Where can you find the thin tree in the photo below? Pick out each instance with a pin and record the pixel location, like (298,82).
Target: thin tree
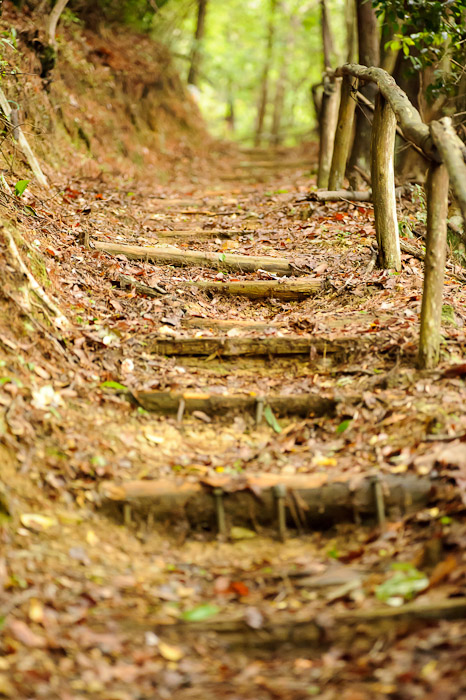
(369,55)
(327,38)
(196,52)
(53,20)
(282,80)
(264,86)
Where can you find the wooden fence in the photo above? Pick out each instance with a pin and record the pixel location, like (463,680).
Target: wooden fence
(438,142)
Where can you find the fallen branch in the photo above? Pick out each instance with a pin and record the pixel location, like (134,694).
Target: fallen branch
(220,404)
(452,150)
(233,347)
(174,256)
(23,143)
(337,195)
(126,281)
(408,116)
(59,319)
(420,255)
(203,233)
(286,289)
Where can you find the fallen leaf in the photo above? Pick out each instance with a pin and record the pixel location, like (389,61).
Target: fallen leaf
(253,618)
(36,610)
(443,570)
(200,612)
(241,533)
(37,522)
(170,652)
(23,634)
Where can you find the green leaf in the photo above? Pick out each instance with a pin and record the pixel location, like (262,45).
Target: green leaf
(113,385)
(200,612)
(222,257)
(405,583)
(21,186)
(344,425)
(271,420)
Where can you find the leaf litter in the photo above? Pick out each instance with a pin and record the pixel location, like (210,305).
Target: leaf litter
(90,608)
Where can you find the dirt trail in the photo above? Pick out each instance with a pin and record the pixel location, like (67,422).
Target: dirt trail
(134,608)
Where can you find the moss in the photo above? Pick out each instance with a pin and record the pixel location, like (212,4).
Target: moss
(36,264)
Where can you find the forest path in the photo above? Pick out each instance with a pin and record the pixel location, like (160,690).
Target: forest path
(97,609)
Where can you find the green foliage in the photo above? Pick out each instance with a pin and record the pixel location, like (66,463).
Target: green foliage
(200,612)
(403,585)
(7,41)
(233,56)
(430,33)
(344,425)
(136,13)
(271,420)
(21,186)
(113,385)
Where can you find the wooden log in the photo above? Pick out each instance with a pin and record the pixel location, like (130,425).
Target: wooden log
(345,195)
(328,124)
(408,116)
(383,185)
(227,324)
(220,404)
(174,256)
(453,152)
(225,346)
(361,627)
(250,499)
(197,233)
(286,289)
(434,266)
(338,195)
(343,133)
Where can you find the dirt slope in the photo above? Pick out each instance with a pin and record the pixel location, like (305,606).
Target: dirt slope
(138,602)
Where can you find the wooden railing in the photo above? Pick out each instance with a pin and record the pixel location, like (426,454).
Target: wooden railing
(438,142)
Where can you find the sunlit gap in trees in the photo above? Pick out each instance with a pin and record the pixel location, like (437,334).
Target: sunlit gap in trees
(252,52)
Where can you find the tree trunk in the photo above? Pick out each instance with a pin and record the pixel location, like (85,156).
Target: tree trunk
(343,134)
(434,266)
(281,83)
(193,75)
(327,38)
(369,55)
(53,21)
(409,164)
(264,94)
(453,152)
(328,125)
(351,35)
(383,185)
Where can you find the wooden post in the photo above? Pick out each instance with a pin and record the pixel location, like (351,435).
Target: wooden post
(383,185)
(343,132)
(434,266)
(453,152)
(328,125)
